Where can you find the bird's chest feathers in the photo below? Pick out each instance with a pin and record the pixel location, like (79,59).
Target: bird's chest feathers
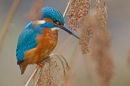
(47,41)
(47,37)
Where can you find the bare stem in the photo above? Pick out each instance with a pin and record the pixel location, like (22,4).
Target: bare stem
(31,76)
(66,8)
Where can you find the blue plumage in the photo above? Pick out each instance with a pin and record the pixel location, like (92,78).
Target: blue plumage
(27,39)
(52,13)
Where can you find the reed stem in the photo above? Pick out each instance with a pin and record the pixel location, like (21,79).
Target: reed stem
(8,21)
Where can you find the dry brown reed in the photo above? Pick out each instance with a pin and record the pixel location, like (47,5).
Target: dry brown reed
(47,79)
(102,55)
(77,13)
(101,46)
(52,68)
(78,9)
(94,37)
(34,13)
(67,79)
(88,25)
(86,34)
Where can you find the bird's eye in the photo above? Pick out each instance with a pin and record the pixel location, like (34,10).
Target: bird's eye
(56,22)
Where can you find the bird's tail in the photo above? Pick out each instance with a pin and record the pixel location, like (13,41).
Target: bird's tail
(23,67)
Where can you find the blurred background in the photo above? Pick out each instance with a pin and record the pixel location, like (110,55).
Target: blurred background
(118,26)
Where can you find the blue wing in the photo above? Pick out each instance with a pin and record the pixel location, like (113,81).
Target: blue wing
(27,40)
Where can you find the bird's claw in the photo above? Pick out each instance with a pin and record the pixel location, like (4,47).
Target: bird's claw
(40,64)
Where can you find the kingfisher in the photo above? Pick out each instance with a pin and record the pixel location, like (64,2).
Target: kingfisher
(40,37)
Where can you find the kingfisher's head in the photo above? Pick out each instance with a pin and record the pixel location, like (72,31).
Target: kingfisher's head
(52,13)
(56,18)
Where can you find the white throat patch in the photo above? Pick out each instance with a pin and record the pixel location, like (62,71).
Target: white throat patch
(55,28)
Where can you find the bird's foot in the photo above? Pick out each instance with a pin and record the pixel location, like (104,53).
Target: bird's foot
(40,64)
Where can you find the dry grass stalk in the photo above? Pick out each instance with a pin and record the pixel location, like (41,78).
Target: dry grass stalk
(77,19)
(101,47)
(101,14)
(34,13)
(86,34)
(46,79)
(94,25)
(67,79)
(52,68)
(78,9)
(102,55)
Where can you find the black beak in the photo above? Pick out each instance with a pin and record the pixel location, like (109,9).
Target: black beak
(67,29)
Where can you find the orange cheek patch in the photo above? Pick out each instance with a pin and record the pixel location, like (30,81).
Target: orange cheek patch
(48,20)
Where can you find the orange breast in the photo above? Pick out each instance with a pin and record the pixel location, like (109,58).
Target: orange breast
(46,43)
